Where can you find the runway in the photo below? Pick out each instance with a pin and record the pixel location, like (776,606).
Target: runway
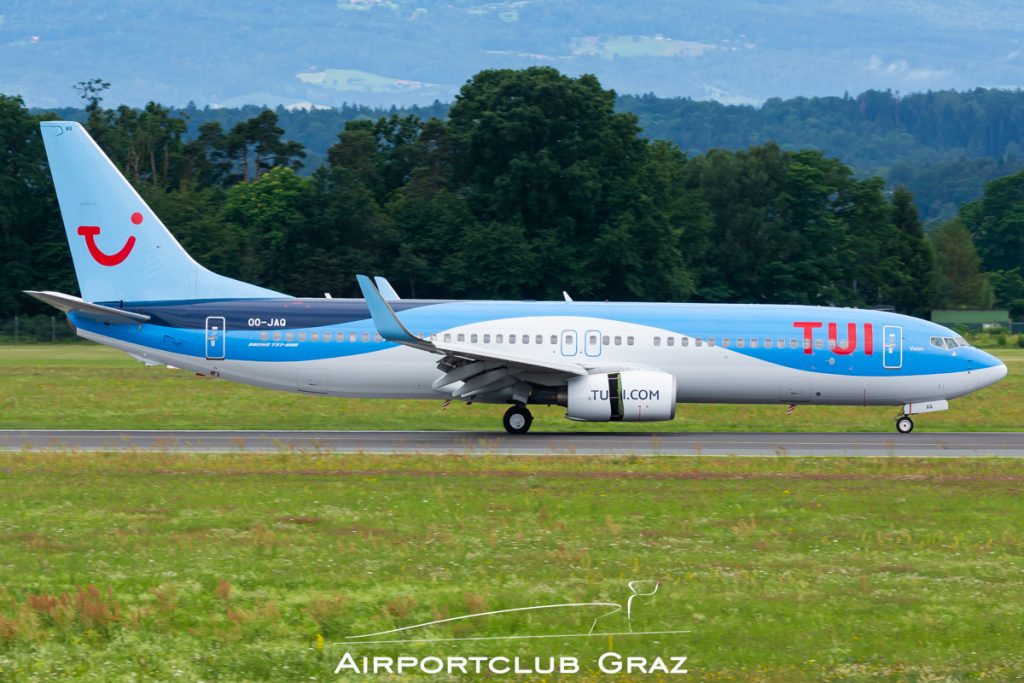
(920,444)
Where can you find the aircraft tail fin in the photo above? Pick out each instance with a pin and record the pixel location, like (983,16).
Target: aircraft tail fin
(121,249)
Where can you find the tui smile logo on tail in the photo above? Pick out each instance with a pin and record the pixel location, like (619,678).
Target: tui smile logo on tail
(89,232)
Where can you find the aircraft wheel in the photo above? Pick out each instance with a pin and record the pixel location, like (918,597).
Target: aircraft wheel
(517,420)
(904,425)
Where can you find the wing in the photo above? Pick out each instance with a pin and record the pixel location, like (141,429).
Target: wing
(480,370)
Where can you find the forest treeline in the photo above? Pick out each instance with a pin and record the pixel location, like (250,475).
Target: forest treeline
(943,146)
(532,184)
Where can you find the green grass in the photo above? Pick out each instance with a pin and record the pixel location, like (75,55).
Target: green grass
(228,567)
(94,387)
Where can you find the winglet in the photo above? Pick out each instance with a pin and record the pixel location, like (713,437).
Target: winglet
(385,289)
(566,295)
(384,318)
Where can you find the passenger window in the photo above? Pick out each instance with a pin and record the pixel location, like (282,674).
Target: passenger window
(461,337)
(539,339)
(807,344)
(526,339)
(366,337)
(657,341)
(447,337)
(554,339)
(569,340)
(487,339)
(351,336)
(740,342)
(433,339)
(472,339)
(684,341)
(753,342)
(302,336)
(606,340)
(831,344)
(314,336)
(511,339)
(328,336)
(264,336)
(726,342)
(340,336)
(618,340)
(698,342)
(377,338)
(781,343)
(593,340)
(629,341)
(277,336)
(498,339)
(670,341)
(289,336)
(818,344)
(711,341)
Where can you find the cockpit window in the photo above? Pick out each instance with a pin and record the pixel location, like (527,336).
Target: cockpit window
(949,342)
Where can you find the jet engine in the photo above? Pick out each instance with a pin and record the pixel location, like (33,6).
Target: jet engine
(629,396)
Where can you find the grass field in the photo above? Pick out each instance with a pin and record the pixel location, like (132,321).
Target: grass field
(229,567)
(147,566)
(94,387)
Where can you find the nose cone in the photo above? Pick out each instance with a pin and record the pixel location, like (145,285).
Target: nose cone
(990,373)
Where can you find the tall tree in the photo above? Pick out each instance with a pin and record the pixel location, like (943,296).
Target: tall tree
(260,139)
(547,156)
(997,223)
(33,247)
(914,291)
(960,283)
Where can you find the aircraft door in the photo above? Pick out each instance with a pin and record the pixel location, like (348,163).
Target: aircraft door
(569,342)
(592,343)
(892,347)
(216,337)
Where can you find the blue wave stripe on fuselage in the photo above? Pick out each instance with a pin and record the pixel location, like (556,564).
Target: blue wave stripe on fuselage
(180,327)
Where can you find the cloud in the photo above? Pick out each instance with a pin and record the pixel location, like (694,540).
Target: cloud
(900,68)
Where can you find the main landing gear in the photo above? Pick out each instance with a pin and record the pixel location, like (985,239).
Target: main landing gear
(517,420)
(904,425)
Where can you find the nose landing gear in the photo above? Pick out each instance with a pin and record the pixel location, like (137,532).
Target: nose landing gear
(904,425)
(517,420)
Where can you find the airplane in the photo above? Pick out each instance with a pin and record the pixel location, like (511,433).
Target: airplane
(603,361)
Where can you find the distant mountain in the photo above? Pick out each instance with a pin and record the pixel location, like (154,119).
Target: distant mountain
(401,52)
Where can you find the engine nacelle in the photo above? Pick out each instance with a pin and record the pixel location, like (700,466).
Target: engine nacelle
(629,396)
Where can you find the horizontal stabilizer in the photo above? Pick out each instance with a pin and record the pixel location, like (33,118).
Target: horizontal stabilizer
(103,314)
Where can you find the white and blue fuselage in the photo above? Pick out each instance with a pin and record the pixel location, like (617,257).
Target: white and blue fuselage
(142,293)
(717,352)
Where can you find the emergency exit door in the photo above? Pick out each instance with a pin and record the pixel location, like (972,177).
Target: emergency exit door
(216,337)
(892,347)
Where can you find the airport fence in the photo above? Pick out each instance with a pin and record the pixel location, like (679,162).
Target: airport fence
(29,329)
